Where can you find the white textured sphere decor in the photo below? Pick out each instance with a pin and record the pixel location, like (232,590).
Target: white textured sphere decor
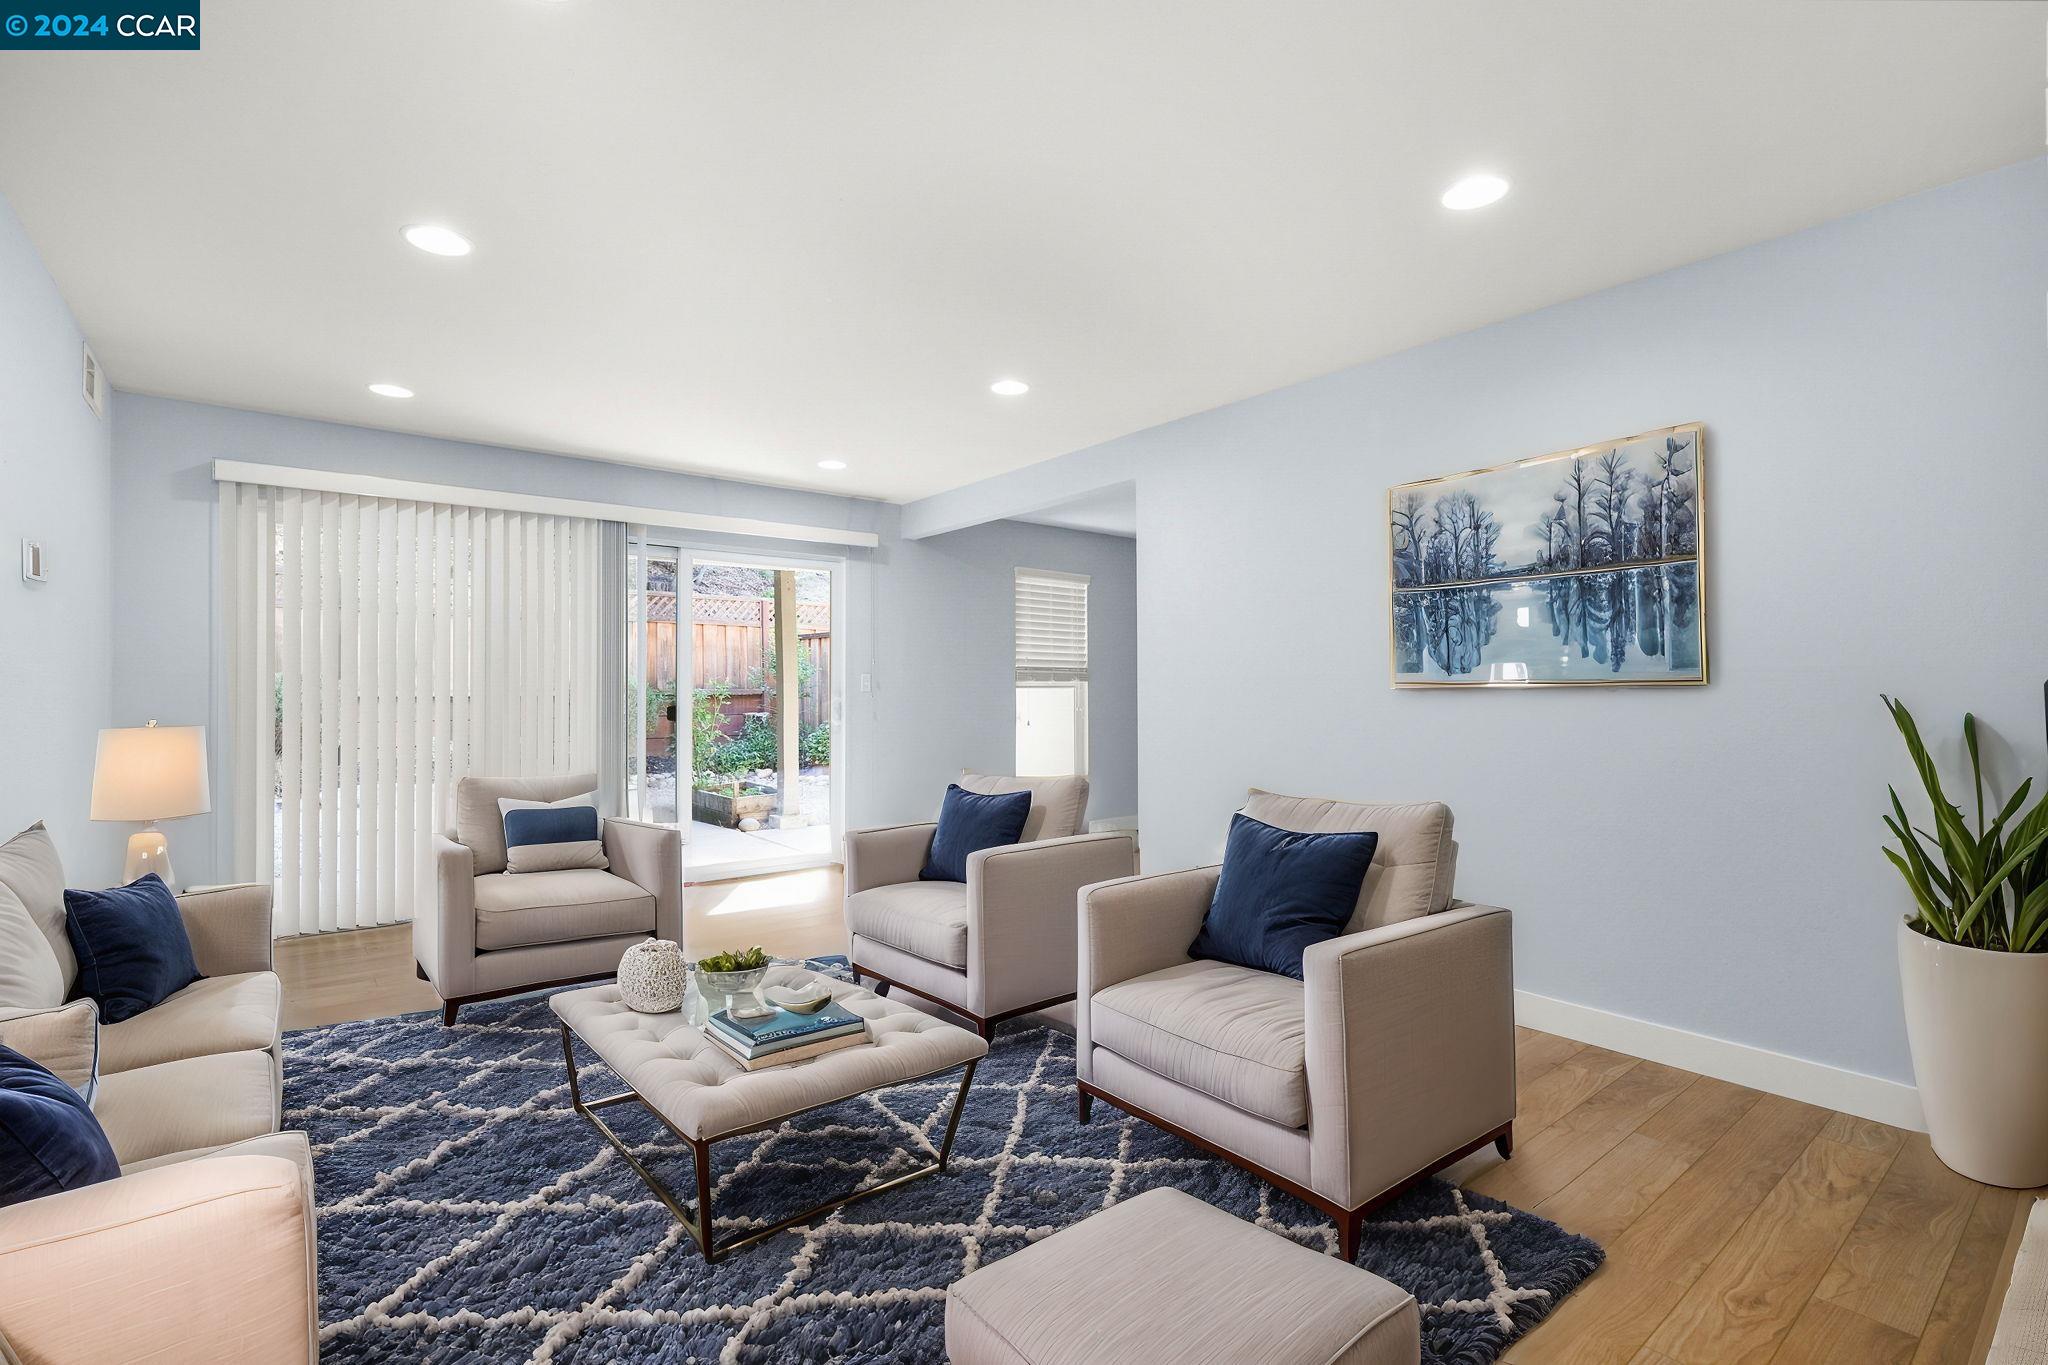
(652,978)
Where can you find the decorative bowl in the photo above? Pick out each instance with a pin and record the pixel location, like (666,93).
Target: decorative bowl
(807,998)
(739,991)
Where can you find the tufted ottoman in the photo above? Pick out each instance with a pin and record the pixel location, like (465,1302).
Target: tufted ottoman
(701,1095)
(1166,1277)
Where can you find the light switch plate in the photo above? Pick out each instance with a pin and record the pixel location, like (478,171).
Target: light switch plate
(35,567)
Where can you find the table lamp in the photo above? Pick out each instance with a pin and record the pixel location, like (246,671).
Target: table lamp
(150,773)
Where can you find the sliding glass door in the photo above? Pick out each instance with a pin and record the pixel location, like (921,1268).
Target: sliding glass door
(722,738)
(654,700)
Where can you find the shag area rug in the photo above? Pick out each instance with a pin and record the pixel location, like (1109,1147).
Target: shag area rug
(468,1214)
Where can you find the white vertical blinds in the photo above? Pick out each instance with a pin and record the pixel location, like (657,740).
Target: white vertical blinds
(1052,626)
(379,651)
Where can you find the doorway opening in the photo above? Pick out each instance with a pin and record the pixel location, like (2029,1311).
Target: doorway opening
(723,741)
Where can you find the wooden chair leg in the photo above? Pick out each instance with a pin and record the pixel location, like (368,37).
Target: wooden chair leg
(1505,1143)
(1084,1104)
(1350,1226)
(448,1008)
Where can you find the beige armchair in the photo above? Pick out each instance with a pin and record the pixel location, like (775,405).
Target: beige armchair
(1001,943)
(494,933)
(1393,1057)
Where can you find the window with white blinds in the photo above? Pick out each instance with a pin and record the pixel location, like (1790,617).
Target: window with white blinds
(1052,626)
(379,651)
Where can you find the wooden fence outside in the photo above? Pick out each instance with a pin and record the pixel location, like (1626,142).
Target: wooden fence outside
(729,643)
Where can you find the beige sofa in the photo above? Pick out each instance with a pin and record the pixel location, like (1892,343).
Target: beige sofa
(1001,943)
(493,932)
(201,1258)
(1394,1056)
(202,1249)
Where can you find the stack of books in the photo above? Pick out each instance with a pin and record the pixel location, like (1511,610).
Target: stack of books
(786,1036)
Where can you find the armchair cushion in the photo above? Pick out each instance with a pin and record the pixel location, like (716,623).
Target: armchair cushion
(212,1015)
(1412,867)
(1059,805)
(517,909)
(924,919)
(480,824)
(133,952)
(151,1110)
(1235,1034)
(968,823)
(49,1140)
(30,869)
(1281,892)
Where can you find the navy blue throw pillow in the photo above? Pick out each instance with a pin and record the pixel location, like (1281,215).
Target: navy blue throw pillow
(1281,892)
(131,944)
(49,1139)
(550,825)
(968,823)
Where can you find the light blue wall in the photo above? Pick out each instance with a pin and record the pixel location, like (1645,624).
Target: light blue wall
(928,621)
(54,639)
(1875,393)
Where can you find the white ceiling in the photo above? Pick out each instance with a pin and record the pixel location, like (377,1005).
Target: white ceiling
(740,238)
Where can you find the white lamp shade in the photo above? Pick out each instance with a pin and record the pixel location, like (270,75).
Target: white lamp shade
(155,772)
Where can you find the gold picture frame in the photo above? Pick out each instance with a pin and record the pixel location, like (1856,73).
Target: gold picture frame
(1642,582)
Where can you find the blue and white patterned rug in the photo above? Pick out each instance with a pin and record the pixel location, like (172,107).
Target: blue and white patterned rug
(467,1214)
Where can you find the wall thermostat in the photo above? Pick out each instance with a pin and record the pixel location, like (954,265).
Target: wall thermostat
(35,568)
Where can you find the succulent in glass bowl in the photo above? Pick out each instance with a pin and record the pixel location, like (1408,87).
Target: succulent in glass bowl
(732,981)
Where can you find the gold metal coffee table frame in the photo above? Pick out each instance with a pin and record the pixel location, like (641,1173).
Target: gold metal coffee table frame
(701,1224)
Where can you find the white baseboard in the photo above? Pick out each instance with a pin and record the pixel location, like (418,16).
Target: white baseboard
(1830,1087)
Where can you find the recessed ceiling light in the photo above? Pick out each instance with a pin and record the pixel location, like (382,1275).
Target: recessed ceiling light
(391,390)
(831,464)
(1009,388)
(1475,192)
(437,240)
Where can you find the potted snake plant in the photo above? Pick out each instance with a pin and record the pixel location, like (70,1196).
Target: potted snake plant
(1973,969)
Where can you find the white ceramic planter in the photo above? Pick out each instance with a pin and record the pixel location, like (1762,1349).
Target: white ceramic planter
(1978,1025)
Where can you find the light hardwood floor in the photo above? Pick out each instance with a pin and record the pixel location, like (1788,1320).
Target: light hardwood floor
(1740,1227)
(1744,1227)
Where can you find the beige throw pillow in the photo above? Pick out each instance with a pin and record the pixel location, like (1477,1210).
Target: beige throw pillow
(29,868)
(553,836)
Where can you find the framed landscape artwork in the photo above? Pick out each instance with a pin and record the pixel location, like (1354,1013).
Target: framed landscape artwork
(1584,567)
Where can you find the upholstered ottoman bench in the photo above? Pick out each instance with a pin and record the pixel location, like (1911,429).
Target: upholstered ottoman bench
(703,1096)
(1165,1277)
